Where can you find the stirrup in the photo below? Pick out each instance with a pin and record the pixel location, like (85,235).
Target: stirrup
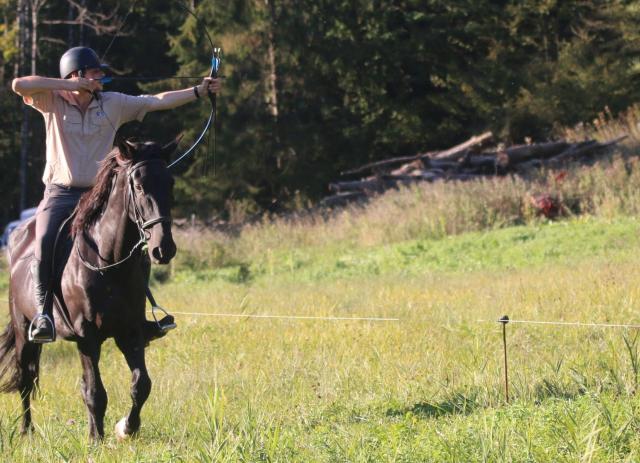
(163,327)
(42,340)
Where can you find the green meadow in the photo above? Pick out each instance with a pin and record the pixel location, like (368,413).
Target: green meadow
(428,387)
(447,260)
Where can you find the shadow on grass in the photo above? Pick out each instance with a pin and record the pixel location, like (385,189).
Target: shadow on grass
(457,404)
(555,389)
(465,403)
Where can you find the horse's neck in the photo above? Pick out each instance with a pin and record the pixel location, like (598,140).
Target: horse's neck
(113,232)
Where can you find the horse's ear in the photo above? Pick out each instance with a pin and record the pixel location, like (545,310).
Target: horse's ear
(167,150)
(127,148)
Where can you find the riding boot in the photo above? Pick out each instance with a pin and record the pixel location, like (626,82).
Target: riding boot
(155,329)
(42,328)
(152,330)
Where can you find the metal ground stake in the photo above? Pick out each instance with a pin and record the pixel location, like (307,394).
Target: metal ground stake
(504,320)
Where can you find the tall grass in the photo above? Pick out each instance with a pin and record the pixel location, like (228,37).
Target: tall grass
(608,189)
(607,126)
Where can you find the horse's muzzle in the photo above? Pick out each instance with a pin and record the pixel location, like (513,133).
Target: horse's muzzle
(164,253)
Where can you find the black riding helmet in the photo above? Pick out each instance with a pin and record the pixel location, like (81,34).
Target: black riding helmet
(79,59)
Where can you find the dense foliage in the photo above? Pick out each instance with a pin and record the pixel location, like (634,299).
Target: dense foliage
(314,87)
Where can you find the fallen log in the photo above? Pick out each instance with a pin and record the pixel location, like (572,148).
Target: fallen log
(521,153)
(450,154)
(459,150)
(343,199)
(463,162)
(444,165)
(384,182)
(588,147)
(428,175)
(410,167)
(388,162)
(366,185)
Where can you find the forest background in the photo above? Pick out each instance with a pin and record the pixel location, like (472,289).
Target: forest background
(315,87)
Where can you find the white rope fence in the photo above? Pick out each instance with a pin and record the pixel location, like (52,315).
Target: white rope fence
(505,320)
(285,317)
(390,319)
(561,323)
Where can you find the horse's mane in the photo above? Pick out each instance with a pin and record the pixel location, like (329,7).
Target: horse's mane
(92,203)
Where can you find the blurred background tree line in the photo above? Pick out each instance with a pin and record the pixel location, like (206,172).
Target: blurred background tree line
(313,87)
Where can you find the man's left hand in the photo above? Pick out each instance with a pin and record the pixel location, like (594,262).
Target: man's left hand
(209,84)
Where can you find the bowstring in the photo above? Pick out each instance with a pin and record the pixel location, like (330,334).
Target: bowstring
(113,39)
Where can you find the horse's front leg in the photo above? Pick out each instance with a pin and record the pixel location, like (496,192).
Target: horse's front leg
(93,392)
(133,350)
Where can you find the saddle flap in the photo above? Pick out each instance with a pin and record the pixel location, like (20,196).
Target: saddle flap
(22,240)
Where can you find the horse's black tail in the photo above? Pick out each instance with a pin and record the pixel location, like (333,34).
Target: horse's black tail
(10,374)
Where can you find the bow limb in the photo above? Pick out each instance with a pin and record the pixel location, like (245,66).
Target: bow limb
(215,65)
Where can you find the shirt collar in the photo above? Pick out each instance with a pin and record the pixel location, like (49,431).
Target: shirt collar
(69,99)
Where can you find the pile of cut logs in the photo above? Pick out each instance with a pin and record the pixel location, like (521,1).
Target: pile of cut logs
(472,159)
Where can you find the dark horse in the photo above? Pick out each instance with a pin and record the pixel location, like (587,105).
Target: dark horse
(101,277)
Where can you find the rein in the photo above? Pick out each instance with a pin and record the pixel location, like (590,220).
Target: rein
(141,224)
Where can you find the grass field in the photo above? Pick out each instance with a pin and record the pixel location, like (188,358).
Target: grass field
(426,388)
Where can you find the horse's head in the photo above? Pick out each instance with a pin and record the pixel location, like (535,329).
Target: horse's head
(150,194)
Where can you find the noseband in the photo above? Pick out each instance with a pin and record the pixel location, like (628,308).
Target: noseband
(142,224)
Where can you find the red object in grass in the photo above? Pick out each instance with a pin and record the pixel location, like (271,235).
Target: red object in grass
(561,176)
(546,205)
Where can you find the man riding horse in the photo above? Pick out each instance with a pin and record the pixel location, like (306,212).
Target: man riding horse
(81,123)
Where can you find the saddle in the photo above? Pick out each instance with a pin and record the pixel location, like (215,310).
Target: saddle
(21,244)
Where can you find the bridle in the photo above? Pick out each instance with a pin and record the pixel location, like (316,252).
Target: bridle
(142,225)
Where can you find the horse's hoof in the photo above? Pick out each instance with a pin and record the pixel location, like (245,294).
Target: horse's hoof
(121,430)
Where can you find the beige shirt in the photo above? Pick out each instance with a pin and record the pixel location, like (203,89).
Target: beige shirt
(76,142)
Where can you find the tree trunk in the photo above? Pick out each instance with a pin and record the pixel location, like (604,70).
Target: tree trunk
(35,9)
(20,20)
(6,35)
(70,27)
(24,49)
(82,34)
(272,89)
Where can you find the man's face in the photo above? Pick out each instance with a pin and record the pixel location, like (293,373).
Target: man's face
(93,73)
